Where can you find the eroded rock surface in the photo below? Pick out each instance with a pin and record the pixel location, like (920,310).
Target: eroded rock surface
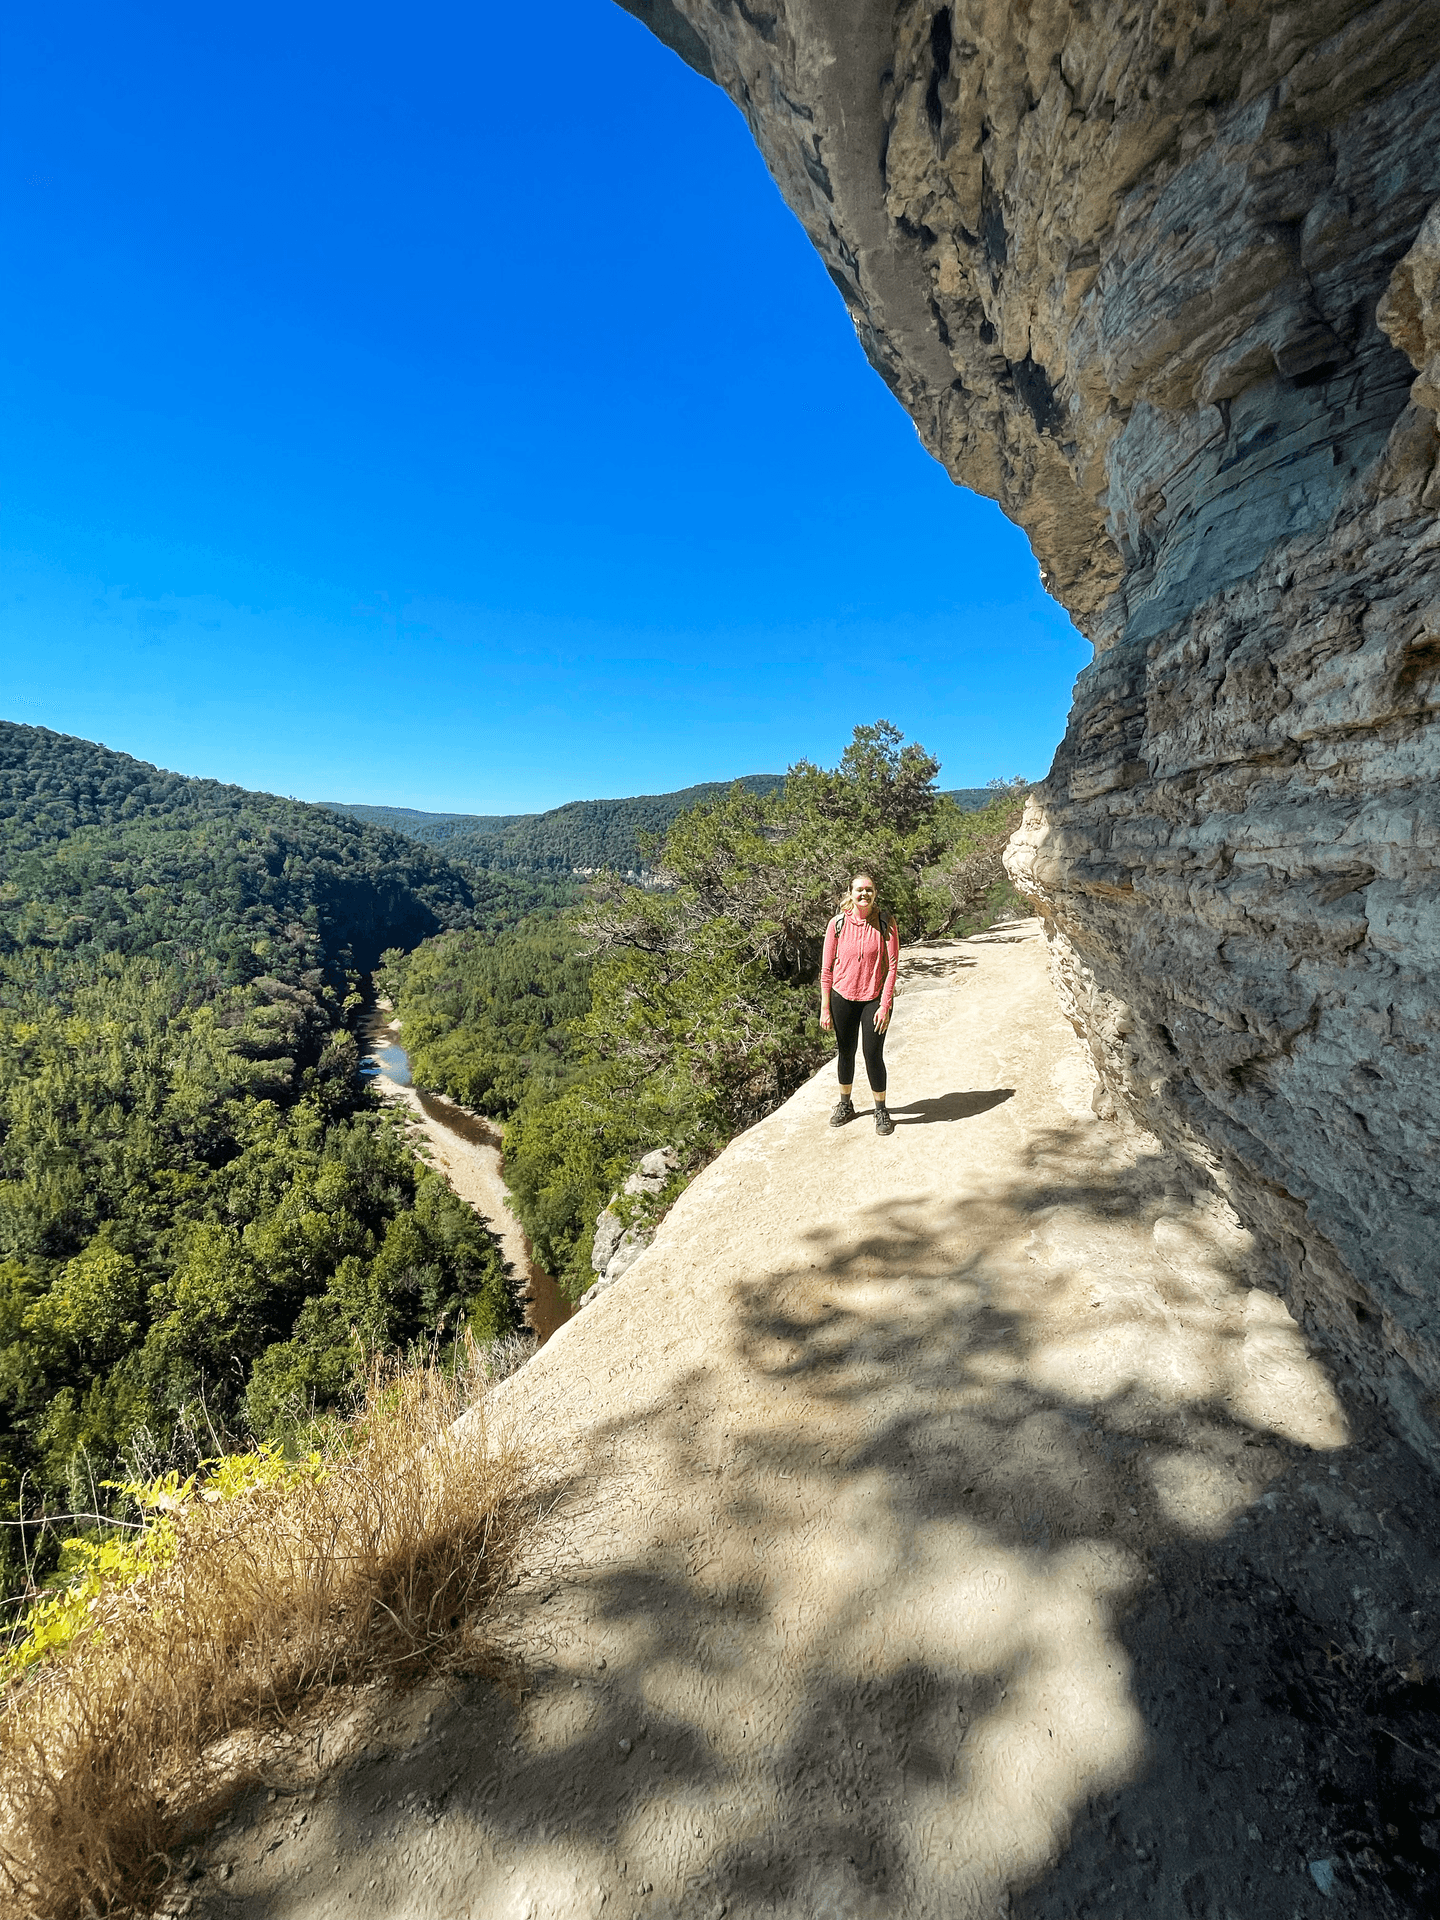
(1160,278)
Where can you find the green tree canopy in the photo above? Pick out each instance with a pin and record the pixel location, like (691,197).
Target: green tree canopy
(205,1222)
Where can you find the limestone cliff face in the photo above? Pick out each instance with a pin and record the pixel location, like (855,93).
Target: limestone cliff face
(1159,276)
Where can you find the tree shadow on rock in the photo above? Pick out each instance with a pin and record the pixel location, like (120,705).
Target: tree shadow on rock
(975,1554)
(1300,1726)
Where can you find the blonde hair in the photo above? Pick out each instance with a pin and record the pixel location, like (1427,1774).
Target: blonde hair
(881,917)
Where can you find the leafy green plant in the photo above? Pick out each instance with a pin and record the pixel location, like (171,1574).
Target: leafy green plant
(92,1567)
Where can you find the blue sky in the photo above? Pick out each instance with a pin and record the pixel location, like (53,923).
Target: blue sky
(414,406)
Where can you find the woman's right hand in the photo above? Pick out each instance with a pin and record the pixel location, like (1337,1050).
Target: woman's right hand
(825,1021)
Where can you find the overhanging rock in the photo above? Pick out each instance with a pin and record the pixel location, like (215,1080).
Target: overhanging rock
(1159,279)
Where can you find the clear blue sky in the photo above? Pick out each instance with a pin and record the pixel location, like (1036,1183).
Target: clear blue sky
(438,405)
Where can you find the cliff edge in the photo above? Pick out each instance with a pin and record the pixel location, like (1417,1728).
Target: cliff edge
(945,1525)
(1159,279)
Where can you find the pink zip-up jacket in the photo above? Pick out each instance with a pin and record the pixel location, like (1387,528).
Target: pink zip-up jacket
(859,964)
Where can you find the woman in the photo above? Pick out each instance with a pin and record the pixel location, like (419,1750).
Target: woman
(857,986)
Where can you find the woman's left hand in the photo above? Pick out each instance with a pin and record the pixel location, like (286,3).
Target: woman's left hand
(882,1020)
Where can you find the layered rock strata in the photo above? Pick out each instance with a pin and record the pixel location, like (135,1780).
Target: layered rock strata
(1159,279)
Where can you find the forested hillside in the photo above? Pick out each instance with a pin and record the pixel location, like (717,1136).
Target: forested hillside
(204,1226)
(431,829)
(103,853)
(489,1016)
(581,837)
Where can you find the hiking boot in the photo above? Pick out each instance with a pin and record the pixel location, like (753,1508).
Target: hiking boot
(883,1122)
(844,1110)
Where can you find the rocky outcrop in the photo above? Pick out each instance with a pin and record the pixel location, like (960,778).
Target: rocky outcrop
(1159,279)
(622,1236)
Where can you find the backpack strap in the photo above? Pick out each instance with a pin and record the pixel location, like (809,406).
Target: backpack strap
(882,925)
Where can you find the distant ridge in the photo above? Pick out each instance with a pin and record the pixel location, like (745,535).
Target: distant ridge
(419,825)
(104,853)
(579,837)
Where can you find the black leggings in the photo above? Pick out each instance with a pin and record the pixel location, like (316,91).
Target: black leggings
(855,1020)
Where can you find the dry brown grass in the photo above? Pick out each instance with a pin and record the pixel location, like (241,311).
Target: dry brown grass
(381,1566)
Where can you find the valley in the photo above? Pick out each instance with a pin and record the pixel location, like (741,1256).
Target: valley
(467,1150)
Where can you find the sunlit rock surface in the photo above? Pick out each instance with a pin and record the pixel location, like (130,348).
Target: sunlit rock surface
(1159,279)
(936,1527)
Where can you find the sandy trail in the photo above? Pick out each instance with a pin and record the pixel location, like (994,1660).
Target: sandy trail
(938,1531)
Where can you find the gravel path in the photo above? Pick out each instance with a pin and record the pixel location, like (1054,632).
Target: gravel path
(943,1526)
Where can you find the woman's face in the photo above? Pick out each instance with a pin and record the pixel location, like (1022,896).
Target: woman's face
(862,892)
